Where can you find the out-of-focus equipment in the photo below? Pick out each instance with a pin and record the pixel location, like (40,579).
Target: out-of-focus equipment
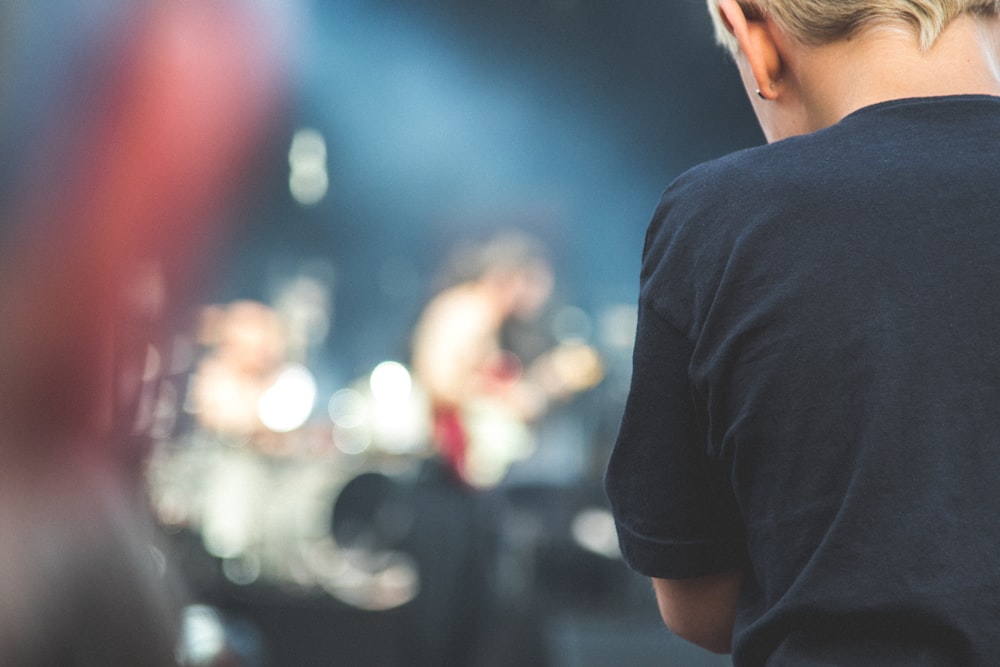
(258,475)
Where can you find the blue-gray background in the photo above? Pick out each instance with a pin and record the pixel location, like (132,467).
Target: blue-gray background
(445,119)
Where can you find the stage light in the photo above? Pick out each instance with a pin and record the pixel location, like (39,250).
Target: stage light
(308,180)
(593,529)
(203,635)
(390,382)
(350,413)
(288,403)
(399,410)
(348,409)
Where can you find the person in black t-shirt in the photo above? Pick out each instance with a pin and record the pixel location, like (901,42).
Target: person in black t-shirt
(807,460)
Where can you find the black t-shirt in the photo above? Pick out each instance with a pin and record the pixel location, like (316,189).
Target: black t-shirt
(816,389)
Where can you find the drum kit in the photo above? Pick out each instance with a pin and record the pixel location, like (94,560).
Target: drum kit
(263,498)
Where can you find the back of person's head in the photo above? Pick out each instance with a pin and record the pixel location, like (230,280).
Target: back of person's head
(817,22)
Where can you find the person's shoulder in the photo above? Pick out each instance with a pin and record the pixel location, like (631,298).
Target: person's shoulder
(712,173)
(701,211)
(752,165)
(715,190)
(743,181)
(705,209)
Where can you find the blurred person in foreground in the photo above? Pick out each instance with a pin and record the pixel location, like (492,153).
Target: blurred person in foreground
(124,130)
(807,464)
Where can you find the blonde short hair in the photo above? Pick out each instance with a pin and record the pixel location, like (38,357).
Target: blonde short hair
(824,21)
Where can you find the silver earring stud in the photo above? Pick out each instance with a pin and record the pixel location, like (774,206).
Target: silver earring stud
(760,94)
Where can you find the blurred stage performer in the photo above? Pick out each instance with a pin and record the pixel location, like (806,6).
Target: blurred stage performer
(124,130)
(485,397)
(247,350)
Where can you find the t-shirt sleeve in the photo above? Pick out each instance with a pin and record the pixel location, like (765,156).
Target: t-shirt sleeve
(672,502)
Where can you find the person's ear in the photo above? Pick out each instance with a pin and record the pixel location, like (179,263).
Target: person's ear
(756,42)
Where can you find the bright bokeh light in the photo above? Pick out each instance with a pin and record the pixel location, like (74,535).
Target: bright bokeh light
(203,635)
(347,408)
(352,441)
(308,180)
(593,529)
(287,404)
(349,412)
(391,382)
(399,409)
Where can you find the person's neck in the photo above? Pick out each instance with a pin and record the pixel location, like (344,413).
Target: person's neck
(885,64)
